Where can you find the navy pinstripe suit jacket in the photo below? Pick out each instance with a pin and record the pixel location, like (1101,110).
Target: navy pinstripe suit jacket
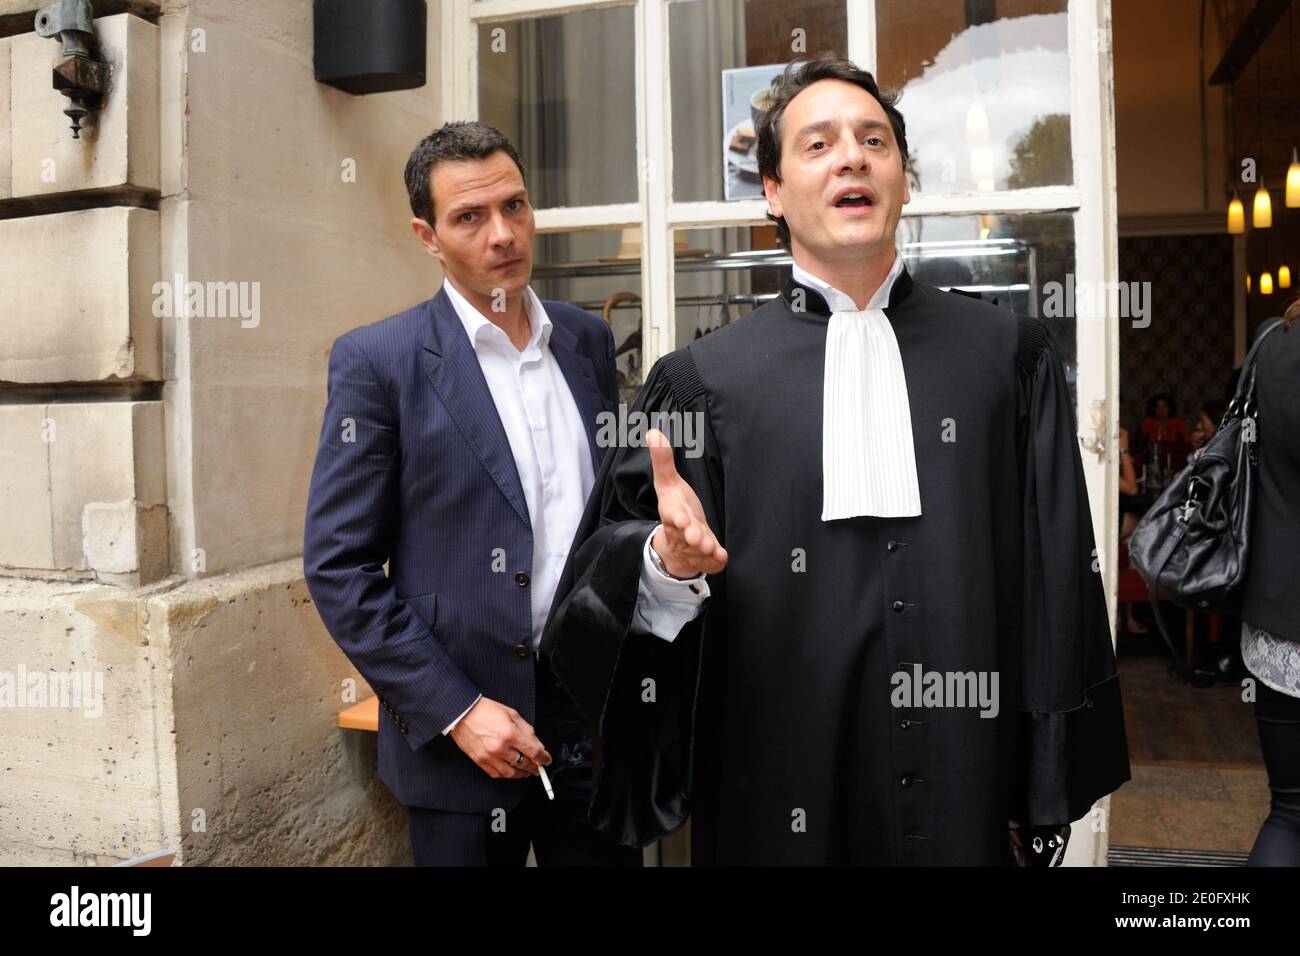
(414,469)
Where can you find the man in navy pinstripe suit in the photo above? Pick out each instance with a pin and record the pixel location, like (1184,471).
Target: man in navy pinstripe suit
(459,446)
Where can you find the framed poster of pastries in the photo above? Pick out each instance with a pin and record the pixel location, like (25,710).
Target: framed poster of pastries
(744,97)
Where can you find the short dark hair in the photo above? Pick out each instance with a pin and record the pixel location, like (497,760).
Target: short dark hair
(463,139)
(797,77)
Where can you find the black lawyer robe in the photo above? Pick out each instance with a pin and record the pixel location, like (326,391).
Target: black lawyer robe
(771,720)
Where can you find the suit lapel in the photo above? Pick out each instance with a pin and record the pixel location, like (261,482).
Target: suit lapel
(453,368)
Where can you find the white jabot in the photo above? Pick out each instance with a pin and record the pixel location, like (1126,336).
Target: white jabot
(868,460)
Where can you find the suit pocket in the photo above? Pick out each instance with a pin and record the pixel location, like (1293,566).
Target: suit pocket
(424,606)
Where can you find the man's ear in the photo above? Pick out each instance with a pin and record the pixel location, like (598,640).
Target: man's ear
(907,189)
(772,190)
(427,237)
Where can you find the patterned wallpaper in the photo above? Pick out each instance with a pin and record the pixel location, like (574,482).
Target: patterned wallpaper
(1187,349)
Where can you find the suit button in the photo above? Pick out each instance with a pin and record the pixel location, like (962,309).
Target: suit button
(908,781)
(892,546)
(521,650)
(521,579)
(905,724)
(898,605)
(402,726)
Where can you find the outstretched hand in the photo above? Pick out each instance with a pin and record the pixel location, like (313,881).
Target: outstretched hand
(684,542)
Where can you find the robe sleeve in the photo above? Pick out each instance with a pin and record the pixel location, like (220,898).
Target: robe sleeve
(636,688)
(1072,747)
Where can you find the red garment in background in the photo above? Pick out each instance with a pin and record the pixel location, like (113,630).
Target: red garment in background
(1168,430)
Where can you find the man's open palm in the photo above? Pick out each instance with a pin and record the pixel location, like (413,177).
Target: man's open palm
(685,543)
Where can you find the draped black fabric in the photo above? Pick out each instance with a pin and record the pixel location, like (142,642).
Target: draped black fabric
(776,720)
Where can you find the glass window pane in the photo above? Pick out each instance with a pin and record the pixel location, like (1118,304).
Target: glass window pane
(986,90)
(563,90)
(1022,263)
(723,274)
(709,36)
(599,272)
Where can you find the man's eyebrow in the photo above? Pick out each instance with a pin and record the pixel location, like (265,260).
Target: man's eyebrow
(828,126)
(476,206)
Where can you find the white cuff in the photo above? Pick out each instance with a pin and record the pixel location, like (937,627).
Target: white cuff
(452,726)
(665,604)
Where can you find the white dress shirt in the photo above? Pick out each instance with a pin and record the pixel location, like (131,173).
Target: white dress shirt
(868,460)
(547,438)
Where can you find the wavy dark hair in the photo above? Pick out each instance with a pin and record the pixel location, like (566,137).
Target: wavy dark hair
(797,77)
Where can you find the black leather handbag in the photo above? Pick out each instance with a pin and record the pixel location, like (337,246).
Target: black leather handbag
(1191,546)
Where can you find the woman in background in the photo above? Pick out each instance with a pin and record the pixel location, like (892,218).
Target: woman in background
(1161,426)
(1208,422)
(1270,630)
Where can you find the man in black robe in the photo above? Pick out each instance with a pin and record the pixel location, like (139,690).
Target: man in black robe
(811,708)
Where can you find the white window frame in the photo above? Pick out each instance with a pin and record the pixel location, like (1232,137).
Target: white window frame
(1091,201)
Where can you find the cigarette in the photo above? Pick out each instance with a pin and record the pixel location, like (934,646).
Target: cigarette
(546,782)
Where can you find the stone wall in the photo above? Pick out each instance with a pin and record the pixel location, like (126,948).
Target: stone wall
(154,465)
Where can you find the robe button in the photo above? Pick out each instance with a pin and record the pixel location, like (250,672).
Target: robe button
(892,546)
(908,781)
(521,579)
(905,724)
(899,605)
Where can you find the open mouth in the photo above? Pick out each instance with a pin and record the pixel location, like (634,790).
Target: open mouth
(854,200)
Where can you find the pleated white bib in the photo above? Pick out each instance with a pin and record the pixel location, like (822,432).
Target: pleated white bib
(868,460)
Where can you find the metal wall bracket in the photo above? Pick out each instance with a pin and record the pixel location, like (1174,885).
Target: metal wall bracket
(80,75)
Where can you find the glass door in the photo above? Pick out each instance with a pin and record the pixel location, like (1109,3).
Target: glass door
(631,119)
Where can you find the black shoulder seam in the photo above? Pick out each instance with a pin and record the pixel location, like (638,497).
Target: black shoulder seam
(1033,339)
(683,377)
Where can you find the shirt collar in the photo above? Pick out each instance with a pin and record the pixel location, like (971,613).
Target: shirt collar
(838,301)
(480,328)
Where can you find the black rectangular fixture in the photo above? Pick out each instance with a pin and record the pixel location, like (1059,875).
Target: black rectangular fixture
(370,46)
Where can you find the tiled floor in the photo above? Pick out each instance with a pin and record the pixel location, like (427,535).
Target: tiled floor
(1198,777)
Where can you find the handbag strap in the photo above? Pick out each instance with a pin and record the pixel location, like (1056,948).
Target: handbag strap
(1246,381)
